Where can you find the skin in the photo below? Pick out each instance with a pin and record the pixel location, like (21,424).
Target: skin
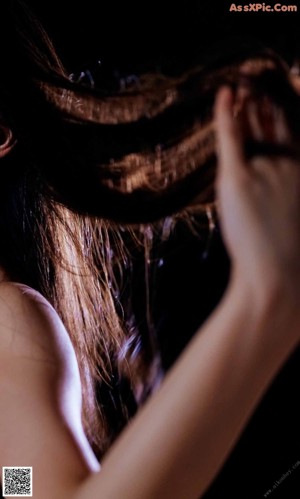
(181,437)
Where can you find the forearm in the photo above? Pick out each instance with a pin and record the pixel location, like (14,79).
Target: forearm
(181,437)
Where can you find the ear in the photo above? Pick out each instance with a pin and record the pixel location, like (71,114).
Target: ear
(7,140)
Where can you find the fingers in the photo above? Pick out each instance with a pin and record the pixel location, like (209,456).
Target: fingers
(260,121)
(267,122)
(255,126)
(281,128)
(230,144)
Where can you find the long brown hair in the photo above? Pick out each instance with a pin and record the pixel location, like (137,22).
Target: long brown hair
(87,163)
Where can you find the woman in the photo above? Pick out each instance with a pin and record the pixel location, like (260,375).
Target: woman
(182,436)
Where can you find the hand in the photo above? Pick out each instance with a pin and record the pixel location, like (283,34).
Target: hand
(259,198)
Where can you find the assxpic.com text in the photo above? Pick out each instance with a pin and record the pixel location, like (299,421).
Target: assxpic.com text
(263,7)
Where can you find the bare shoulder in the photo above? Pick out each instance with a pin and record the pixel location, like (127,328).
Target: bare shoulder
(40,392)
(30,326)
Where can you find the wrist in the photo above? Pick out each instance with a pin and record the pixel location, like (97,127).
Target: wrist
(273,305)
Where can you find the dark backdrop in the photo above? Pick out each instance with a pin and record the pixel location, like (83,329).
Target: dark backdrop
(134,34)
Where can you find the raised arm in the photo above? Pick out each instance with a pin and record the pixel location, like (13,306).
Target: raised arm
(182,436)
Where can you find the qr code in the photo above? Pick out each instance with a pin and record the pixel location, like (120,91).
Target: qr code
(17,481)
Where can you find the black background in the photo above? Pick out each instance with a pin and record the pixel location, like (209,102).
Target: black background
(131,35)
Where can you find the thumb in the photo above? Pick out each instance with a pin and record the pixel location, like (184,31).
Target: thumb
(229,138)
